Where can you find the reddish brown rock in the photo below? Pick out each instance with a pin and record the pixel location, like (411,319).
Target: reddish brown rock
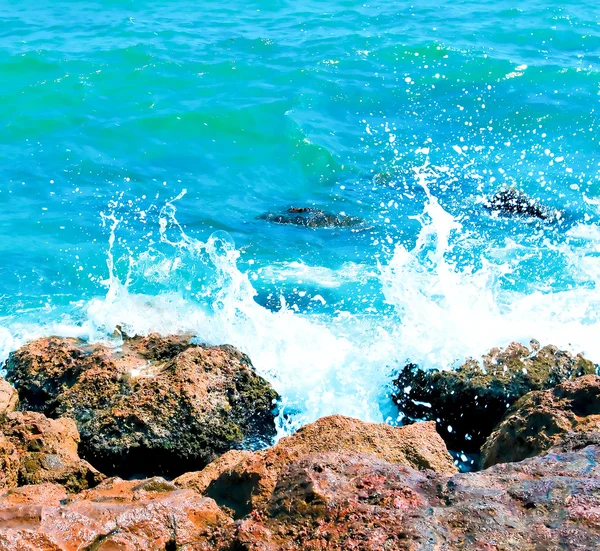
(116,516)
(327,501)
(243,481)
(160,405)
(8,397)
(566,416)
(340,502)
(469,402)
(36,450)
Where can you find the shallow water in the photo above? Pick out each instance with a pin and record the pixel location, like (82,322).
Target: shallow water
(141,143)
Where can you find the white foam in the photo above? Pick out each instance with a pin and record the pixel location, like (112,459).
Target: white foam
(342,364)
(447,314)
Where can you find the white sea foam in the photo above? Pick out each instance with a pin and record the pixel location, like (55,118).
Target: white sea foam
(441,314)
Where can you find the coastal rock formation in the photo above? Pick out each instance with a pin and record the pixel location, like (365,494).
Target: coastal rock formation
(343,501)
(565,417)
(37,450)
(510,202)
(117,515)
(334,501)
(470,401)
(244,481)
(8,397)
(160,405)
(309,217)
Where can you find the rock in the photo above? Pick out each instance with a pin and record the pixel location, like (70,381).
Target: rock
(160,405)
(309,217)
(342,501)
(473,398)
(335,501)
(243,481)
(38,450)
(510,201)
(117,515)
(566,417)
(8,397)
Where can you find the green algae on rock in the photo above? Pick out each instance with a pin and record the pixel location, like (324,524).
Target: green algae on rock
(38,450)
(566,416)
(468,402)
(160,405)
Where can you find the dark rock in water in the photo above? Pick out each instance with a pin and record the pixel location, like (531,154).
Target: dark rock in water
(473,398)
(510,201)
(38,450)
(159,406)
(565,417)
(309,217)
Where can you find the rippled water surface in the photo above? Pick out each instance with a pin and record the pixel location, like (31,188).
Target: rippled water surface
(141,142)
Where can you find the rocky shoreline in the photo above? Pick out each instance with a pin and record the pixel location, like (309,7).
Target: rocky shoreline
(164,445)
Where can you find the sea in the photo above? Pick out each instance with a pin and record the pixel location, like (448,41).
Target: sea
(142,143)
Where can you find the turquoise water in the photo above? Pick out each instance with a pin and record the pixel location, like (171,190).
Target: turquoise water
(141,141)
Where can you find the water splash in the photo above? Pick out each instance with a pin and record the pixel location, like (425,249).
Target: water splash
(442,310)
(449,312)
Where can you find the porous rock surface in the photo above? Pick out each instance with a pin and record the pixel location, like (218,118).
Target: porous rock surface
(37,450)
(469,402)
(566,417)
(115,516)
(328,501)
(243,481)
(160,405)
(8,398)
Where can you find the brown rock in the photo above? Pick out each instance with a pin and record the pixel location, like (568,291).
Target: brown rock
(566,416)
(160,405)
(117,515)
(243,481)
(473,398)
(8,397)
(327,501)
(37,450)
(339,501)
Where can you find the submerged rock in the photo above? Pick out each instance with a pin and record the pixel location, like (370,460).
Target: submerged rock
(566,417)
(158,406)
(36,450)
(344,501)
(244,481)
(309,217)
(510,201)
(470,401)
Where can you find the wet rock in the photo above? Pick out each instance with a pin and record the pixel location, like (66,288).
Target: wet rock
(243,481)
(510,202)
(309,217)
(8,397)
(473,398)
(160,405)
(343,501)
(565,417)
(117,515)
(336,501)
(37,450)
